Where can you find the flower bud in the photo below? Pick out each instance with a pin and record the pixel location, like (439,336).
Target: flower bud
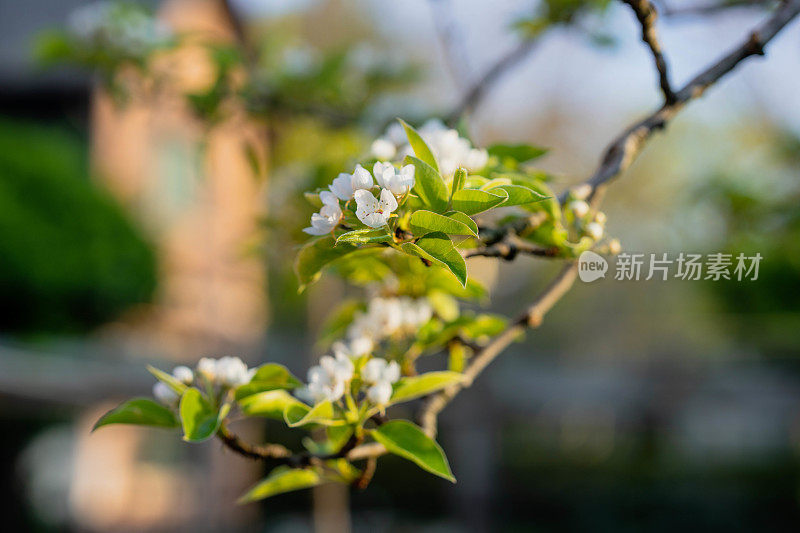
(183,374)
(581,192)
(594,230)
(579,208)
(164,394)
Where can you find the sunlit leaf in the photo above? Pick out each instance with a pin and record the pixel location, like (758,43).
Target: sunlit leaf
(428,184)
(438,249)
(178,387)
(421,149)
(199,418)
(315,255)
(518,194)
(409,441)
(141,412)
(474,201)
(409,388)
(321,414)
(518,152)
(424,222)
(365,236)
(282,479)
(271,404)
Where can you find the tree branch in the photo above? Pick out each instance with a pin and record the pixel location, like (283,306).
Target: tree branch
(646,15)
(531,318)
(478,90)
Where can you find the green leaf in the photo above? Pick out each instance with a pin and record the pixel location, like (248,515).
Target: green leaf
(464,219)
(315,255)
(365,236)
(518,152)
(178,387)
(407,440)
(428,184)
(424,222)
(438,248)
(271,404)
(199,418)
(141,412)
(268,377)
(407,389)
(519,195)
(419,146)
(474,201)
(321,414)
(459,179)
(282,479)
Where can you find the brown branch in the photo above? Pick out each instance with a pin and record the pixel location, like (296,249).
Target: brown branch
(478,90)
(624,149)
(366,476)
(646,15)
(252,451)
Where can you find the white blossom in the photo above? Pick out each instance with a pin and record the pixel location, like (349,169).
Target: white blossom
(450,150)
(345,185)
(582,192)
(594,230)
(164,394)
(389,178)
(372,211)
(183,374)
(328,217)
(356,347)
(377,370)
(383,149)
(327,380)
(380,393)
(226,371)
(380,375)
(579,208)
(232,372)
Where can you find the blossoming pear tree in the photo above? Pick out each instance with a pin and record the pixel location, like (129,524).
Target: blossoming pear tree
(400,224)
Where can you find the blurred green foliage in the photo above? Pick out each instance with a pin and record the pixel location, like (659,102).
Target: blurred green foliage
(70,257)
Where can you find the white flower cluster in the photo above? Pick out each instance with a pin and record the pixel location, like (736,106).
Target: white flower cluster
(328,379)
(226,372)
(380,375)
(373,212)
(386,317)
(451,150)
(580,209)
(121,27)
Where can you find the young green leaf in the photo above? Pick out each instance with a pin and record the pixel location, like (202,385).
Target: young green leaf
(141,412)
(321,414)
(421,149)
(518,194)
(282,479)
(270,404)
(464,219)
(428,184)
(409,388)
(459,179)
(178,387)
(424,222)
(438,248)
(315,255)
(365,236)
(474,201)
(199,418)
(405,439)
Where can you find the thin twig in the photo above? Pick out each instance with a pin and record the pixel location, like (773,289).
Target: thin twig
(508,251)
(646,15)
(252,451)
(478,90)
(711,9)
(531,318)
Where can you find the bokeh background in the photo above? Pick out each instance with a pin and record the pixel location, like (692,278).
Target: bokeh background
(136,234)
